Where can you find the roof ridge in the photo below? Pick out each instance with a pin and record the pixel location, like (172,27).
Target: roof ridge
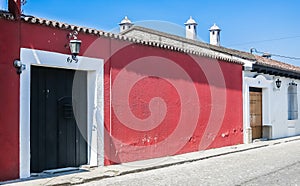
(259,59)
(194,42)
(61,25)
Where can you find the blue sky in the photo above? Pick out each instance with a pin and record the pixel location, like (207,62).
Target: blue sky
(268,25)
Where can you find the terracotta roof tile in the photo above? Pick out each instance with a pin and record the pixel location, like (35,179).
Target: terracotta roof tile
(231,52)
(6,15)
(60,25)
(237,53)
(276,64)
(259,59)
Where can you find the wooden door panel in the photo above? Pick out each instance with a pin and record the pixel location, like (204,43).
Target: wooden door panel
(256,132)
(56,140)
(256,114)
(66,131)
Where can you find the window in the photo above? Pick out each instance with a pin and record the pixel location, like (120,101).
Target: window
(292,102)
(189,26)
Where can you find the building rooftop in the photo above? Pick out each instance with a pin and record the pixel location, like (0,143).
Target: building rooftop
(231,52)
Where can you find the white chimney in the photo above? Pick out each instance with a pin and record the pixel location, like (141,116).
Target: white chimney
(125,24)
(191,29)
(214,35)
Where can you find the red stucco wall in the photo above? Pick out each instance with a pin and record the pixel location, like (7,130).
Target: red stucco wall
(178,116)
(9,100)
(156,111)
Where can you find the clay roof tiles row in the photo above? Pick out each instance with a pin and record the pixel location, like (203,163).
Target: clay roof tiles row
(276,64)
(60,25)
(244,55)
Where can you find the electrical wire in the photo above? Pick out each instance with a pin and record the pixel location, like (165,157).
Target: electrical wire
(276,55)
(262,41)
(288,57)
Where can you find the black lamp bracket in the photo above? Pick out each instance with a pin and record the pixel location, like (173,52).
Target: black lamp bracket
(72,35)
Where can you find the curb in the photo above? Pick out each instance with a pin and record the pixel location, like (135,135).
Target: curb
(271,143)
(114,171)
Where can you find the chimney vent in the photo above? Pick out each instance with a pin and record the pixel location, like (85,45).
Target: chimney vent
(125,24)
(214,35)
(191,29)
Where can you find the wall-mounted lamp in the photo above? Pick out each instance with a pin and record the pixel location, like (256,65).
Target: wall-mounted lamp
(74,45)
(278,83)
(19,66)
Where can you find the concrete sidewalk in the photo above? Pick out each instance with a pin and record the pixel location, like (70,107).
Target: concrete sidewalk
(85,175)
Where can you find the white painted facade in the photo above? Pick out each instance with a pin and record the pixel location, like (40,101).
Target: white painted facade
(95,103)
(274,105)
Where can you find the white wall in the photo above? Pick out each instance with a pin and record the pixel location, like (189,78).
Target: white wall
(275,104)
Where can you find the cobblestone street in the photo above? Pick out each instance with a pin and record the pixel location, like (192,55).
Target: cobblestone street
(273,165)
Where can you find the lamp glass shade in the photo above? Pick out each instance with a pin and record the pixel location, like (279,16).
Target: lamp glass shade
(75,47)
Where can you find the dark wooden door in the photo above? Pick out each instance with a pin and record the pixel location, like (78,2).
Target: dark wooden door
(256,112)
(58,124)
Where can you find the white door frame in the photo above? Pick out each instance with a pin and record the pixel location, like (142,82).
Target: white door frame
(95,103)
(258,81)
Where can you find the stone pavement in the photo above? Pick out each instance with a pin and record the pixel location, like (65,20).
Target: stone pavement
(86,174)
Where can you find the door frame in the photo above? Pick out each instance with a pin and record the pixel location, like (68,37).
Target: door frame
(95,103)
(256,91)
(256,81)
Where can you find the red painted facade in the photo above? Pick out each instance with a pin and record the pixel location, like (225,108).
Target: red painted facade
(154,88)
(9,99)
(171,105)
